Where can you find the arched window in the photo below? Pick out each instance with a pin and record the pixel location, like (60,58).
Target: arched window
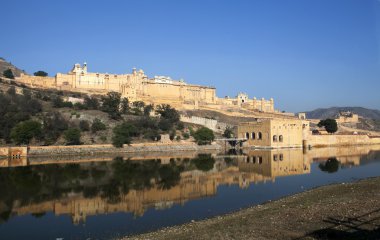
(274,138)
(281,138)
(247,135)
(260,136)
(254,159)
(253,135)
(260,160)
(281,157)
(275,157)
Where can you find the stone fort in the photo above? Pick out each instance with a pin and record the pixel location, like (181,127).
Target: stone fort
(137,86)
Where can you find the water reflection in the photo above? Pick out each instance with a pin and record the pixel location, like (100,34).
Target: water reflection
(96,186)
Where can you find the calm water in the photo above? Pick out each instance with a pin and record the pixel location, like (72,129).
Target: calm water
(113,197)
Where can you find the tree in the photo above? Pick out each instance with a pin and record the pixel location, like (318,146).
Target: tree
(148,109)
(23,132)
(124,107)
(167,112)
(330,125)
(72,136)
(228,133)
(123,133)
(8,74)
(330,166)
(204,136)
(41,74)
(91,103)
(204,162)
(84,125)
(97,125)
(111,104)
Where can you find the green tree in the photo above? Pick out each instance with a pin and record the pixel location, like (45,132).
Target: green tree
(330,166)
(8,74)
(228,133)
(167,112)
(330,125)
(111,104)
(41,74)
(124,107)
(97,125)
(123,133)
(91,103)
(204,162)
(148,109)
(204,136)
(23,132)
(72,136)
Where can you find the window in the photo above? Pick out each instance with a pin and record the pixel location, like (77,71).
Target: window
(274,138)
(260,137)
(275,157)
(247,135)
(254,159)
(253,135)
(281,157)
(260,160)
(281,138)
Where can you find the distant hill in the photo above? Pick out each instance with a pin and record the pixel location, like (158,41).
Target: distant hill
(323,113)
(4,65)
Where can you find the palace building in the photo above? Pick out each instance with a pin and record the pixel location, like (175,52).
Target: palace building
(137,86)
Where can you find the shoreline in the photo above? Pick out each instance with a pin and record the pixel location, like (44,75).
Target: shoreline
(339,211)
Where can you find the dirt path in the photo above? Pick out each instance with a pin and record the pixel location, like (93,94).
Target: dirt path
(343,211)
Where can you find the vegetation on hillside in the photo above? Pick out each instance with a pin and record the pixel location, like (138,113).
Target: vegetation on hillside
(24,119)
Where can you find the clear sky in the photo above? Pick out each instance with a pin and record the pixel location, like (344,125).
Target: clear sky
(304,53)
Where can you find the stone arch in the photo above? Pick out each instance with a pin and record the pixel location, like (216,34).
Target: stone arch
(253,135)
(281,138)
(247,135)
(274,138)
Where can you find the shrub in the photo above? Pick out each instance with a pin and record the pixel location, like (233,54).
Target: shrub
(8,74)
(84,125)
(23,132)
(204,162)
(41,74)
(185,135)
(91,103)
(123,134)
(97,125)
(72,136)
(330,125)
(204,136)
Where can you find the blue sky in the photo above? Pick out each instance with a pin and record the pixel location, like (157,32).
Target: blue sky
(304,53)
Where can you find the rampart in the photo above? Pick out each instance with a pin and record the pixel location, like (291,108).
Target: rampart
(340,140)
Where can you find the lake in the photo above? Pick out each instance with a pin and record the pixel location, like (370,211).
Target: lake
(113,196)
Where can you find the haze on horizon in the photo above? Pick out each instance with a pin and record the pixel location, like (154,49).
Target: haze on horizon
(304,54)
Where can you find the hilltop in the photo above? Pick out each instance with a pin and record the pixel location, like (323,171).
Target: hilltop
(4,65)
(323,113)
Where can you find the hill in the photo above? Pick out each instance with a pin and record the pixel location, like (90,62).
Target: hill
(4,65)
(323,113)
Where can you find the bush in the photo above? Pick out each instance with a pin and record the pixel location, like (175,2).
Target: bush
(8,74)
(204,162)
(185,136)
(330,125)
(41,74)
(72,136)
(91,103)
(123,134)
(84,125)
(111,104)
(204,136)
(23,132)
(97,125)
(228,133)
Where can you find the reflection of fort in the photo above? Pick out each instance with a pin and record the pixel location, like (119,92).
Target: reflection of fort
(252,167)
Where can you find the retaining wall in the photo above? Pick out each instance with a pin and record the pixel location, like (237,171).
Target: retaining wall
(340,140)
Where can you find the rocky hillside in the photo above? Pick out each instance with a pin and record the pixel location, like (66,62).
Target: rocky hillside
(323,113)
(4,65)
